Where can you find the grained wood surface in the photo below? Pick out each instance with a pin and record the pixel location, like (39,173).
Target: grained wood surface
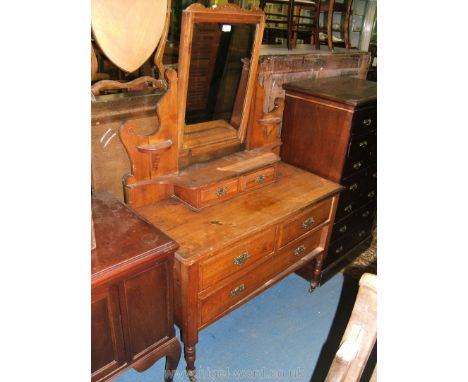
(218,227)
(128,31)
(123,239)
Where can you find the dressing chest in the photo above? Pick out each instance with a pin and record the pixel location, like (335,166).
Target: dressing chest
(132,321)
(330,129)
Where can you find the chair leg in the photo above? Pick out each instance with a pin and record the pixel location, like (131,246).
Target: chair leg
(330,24)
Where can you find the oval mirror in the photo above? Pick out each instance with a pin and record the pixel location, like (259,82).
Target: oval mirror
(128,31)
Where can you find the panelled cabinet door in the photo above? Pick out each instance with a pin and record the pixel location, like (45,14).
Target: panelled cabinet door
(146,311)
(107,346)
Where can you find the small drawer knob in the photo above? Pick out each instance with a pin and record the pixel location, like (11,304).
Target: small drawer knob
(361,233)
(221,191)
(339,249)
(367,122)
(353,187)
(357,165)
(242,258)
(308,222)
(260,178)
(343,229)
(237,290)
(348,208)
(371,194)
(365,214)
(299,250)
(363,144)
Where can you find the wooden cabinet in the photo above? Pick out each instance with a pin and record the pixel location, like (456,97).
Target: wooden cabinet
(330,128)
(132,293)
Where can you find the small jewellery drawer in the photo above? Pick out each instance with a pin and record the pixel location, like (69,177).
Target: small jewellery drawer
(364,120)
(304,222)
(360,146)
(216,303)
(236,258)
(219,191)
(258,178)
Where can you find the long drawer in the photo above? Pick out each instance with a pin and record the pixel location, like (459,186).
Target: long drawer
(216,303)
(236,258)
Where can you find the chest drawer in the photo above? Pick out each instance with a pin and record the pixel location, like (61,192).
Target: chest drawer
(304,222)
(228,296)
(236,258)
(361,146)
(220,191)
(258,178)
(351,222)
(364,120)
(353,166)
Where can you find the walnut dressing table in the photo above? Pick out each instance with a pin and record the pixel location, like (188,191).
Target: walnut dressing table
(210,177)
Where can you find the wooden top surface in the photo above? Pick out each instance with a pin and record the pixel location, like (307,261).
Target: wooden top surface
(123,239)
(351,91)
(221,225)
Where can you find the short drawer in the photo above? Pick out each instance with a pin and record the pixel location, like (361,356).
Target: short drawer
(248,282)
(364,145)
(304,222)
(353,166)
(236,258)
(220,191)
(258,178)
(364,120)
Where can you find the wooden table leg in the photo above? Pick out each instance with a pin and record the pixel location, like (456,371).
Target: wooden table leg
(317,273)
(189,353)
(172,361)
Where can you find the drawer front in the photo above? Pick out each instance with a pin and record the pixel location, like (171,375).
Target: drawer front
(353,166)
(219,191)
(369,189)
(351,222)
(304,222)
(364,120)
(341,247)
(258,178)
(247,283)
(361,146)
(236,258)
(354,186)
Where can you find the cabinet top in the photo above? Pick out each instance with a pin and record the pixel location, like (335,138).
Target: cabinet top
(123,239)
(348,90)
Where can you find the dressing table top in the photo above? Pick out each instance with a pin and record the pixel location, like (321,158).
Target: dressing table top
(221,225)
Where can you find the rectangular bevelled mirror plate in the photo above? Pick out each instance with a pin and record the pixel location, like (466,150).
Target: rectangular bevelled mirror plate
(218,53)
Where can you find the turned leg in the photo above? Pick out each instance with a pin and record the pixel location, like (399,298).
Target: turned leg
(172,360)
(189,353)
(317,273)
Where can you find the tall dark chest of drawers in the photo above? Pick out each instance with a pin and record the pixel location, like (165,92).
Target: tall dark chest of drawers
(330,129)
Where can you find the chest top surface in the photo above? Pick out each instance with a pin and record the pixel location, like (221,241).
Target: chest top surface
(123,239)
(347,90)
(219,226)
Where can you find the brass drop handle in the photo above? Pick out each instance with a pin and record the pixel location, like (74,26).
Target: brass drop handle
(366,214)
(242,258)
(374,175)
(299,250)
(348,208)
(367,122)
(260,178)
(371,194)
(221,191)
(357,165)
(362,233)
(343,229)
(237,290)
(363,144)
(353,187)
(308,222)
(339,249)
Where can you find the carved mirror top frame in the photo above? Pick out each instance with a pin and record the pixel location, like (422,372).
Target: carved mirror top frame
(226,14)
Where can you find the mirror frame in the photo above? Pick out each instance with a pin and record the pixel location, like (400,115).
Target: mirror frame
(229,14)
